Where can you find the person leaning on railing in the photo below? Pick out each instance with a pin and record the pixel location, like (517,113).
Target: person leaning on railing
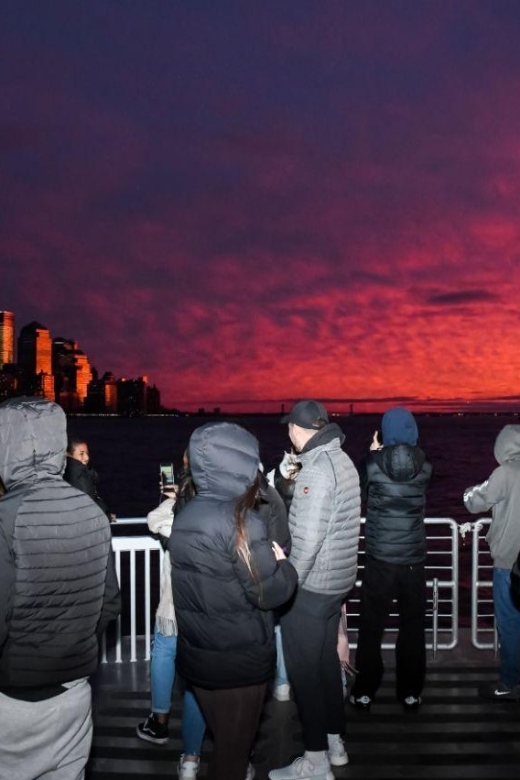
(501,493)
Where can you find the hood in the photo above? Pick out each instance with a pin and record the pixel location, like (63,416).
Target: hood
(507,444)
(33,440)
(401,462)
(325,435)
(398,426)
(224,459)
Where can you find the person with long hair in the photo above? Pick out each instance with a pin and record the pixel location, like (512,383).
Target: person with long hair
(227,578)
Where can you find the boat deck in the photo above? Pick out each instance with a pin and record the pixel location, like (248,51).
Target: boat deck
(455,734)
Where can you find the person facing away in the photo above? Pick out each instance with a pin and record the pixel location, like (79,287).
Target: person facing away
(227,577)
(501,493)
(58,592)
(80,474)
(324,521)
(394,478)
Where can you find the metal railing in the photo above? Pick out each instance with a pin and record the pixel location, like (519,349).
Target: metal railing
(442,578)
(483,629)
(138,562)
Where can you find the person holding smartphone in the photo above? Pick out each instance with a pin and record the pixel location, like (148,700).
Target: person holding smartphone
(164,649)
(393,478)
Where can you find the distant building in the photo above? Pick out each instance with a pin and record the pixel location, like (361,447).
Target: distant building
(101,394)
(35,361)
(153,400)
(132,396)
(72,372)
(6,338)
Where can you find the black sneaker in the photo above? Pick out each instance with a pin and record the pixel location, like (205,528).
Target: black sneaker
(153,731)
(361,702)
(411,702)
(499,692)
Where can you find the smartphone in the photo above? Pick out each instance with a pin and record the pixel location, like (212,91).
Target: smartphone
(167,474)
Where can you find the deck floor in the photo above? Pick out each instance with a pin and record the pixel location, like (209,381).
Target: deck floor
(455,734)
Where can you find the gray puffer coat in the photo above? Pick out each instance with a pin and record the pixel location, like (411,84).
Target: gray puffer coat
(57,583)
(324,517)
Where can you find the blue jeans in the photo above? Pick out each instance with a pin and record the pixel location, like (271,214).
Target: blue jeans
(507,617)
(162,678)
(281,672)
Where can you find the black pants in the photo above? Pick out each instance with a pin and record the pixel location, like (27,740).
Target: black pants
(310,641)
(232,715)
(383,582)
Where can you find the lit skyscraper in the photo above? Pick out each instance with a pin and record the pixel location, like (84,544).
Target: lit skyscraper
(35,360)
(6,337)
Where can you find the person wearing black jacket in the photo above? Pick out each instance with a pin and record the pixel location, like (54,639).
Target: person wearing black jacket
(227,577)
(58,592)
(393,479)
(80,474)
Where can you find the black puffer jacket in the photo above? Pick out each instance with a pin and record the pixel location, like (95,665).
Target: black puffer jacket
(58,588)
(84,478)
(393,482)
(225,624)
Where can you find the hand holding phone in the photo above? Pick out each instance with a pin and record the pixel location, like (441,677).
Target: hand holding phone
(167,475)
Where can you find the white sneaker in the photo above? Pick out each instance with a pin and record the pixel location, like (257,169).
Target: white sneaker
(188,769)
(282,692)
(303,769)
(250,774)
(338,756)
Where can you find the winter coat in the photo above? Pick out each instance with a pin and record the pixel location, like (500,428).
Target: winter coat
(501,494)
(160,522)
(57,581)
(226,637)
(324,516)
(394,481)
(271,508)
(84,478)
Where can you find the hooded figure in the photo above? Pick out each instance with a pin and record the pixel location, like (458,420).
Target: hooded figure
(58,591)
(393,483)
(393,478)
(226,579)
(500,493)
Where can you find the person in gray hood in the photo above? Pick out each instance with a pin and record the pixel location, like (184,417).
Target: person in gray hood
(58,591)
(394,477)
(501,493)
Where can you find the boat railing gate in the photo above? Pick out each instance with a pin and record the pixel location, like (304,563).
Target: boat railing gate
(138,562)
(442,577)
(483,629)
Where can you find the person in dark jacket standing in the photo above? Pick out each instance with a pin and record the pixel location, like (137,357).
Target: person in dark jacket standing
(227,578)
(393,478)
(58,592)
(80,474)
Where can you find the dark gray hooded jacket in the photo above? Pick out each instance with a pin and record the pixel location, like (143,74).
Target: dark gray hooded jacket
(55,593)
(226,637)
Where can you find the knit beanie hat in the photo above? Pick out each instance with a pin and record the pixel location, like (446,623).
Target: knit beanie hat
(398,426)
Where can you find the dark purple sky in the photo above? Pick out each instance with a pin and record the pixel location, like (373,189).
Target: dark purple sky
(266,200)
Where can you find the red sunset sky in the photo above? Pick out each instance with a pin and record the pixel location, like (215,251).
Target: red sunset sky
(261,201)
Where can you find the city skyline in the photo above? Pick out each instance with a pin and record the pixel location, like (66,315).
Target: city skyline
(252,204)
